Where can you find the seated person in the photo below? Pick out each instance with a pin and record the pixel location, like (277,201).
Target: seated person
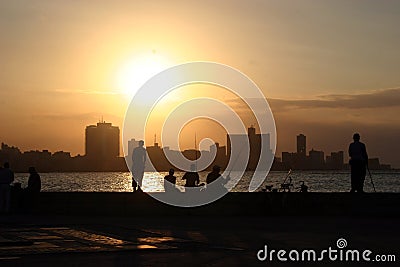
(215,181)
(169,181)
(34,182)
(192,178)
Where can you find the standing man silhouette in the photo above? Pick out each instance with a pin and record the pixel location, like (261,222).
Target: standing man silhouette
(358,162)
(139,160)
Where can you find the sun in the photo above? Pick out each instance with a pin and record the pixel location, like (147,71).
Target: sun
(134,72)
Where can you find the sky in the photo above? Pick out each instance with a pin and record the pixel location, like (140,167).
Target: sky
(327,68)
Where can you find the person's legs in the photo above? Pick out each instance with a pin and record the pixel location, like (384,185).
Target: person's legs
(353,178)
(140,180)
(363,173)
(359,178)
(361,186)
(7,198)
(2,199)
(134,184)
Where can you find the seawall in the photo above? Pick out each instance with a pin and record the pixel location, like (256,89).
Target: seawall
(232,204)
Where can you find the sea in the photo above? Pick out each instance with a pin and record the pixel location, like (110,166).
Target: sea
(317,181)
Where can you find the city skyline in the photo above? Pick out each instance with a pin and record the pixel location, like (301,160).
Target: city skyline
(101,146)
(191,132)
(65,64)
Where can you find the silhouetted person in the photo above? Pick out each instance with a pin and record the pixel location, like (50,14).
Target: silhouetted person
(138,163)
(31,193)
(6,178)
(303,187)
(358,162)
(215,181)
(169,181)
(192,178)
(34,182)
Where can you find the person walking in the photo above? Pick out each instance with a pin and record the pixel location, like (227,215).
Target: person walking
(138,164)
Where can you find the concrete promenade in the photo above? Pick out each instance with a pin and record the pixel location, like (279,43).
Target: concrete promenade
(232,204)
(154,234)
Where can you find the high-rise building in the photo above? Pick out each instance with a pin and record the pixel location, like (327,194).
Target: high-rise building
(316,160)
(102,141)
(220,155)
(301,145)
(256,142)
(335,161)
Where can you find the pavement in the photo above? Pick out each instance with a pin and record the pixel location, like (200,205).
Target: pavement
(49,240)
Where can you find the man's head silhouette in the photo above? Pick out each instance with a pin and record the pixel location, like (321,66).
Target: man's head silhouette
(356,137)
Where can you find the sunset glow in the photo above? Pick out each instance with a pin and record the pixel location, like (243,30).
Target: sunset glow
(73,62)
(137,70)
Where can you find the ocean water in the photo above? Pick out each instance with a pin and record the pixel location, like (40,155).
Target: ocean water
(317,181)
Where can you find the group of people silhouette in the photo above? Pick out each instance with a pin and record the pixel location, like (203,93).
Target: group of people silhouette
(192,178)
(29,194)
(358,163)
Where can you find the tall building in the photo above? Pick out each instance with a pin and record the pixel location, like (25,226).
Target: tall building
(102,141)
(335,161)
(256,142)
(289,160)
(316,160)
(220,155)
(301,145)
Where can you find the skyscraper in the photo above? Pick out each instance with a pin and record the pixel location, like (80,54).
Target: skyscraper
(256,142)
(301,145)
(102,141)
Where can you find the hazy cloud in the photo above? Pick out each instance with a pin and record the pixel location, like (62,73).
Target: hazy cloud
(88,92)
(56,92)
(385,98)
(375,99)
(92,116)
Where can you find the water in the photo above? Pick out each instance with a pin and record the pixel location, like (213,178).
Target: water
(318,181)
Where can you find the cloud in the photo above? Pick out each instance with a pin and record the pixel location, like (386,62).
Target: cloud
(55,92)
(87,92)
(385,98)
(376,99)
(92,116)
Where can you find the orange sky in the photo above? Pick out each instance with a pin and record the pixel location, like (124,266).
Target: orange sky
(329,68)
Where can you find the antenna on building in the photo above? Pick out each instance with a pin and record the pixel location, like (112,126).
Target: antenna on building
(155,139)
(195,148)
